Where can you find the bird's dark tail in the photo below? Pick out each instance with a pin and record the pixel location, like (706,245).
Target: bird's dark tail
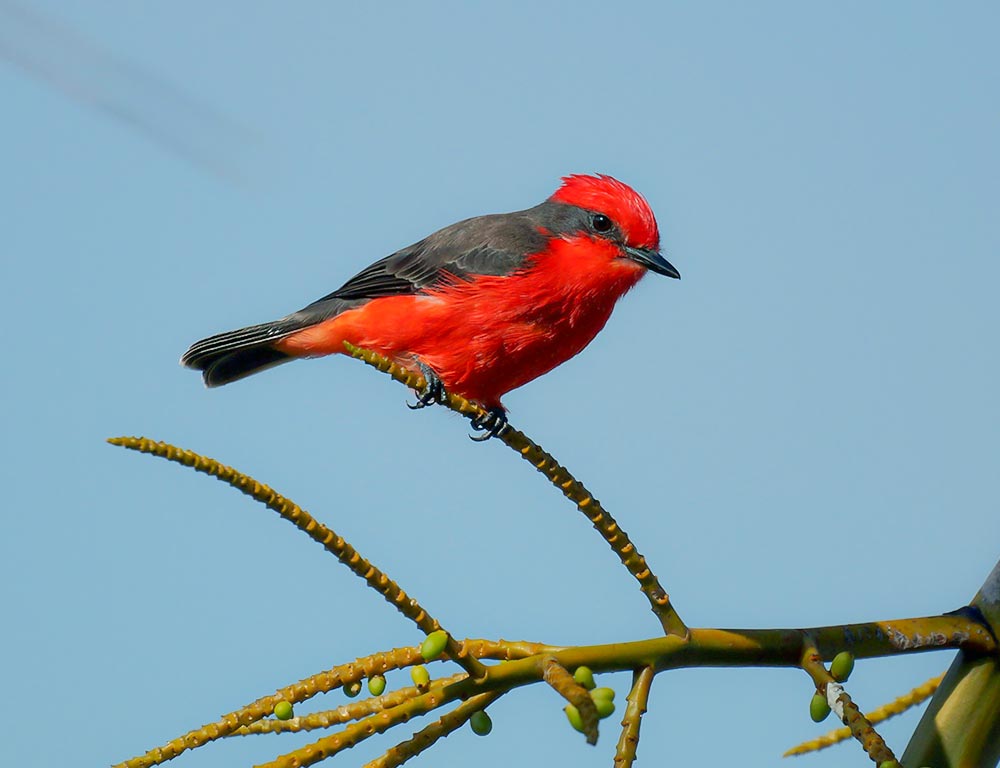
(229,356)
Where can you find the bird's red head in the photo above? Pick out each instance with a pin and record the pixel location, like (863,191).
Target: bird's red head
(622,204)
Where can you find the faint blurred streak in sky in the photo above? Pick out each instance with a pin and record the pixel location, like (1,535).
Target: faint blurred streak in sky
(53,54)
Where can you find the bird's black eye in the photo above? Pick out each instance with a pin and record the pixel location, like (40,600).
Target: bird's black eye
(601,223)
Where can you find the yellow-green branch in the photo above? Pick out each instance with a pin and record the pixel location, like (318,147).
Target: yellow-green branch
(525,664)
(563,480)
(844,707)
(345,713)
(428,736)
(562,682)
(324,682)
(895,707)
(333,543)
(961,725)
(380,722)
(637,700)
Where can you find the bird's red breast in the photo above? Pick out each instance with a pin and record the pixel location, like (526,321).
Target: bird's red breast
(489,335)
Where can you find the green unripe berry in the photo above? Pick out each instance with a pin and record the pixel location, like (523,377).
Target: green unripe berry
(420,675)
(603,693)
(842,666)
(605,707)
(573,715)
(433,644)
(584,677)
(819,708)
(888,764)
(481,723)
(352,689)
(376,685)
(283,710)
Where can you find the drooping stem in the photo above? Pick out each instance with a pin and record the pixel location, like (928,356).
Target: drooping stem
(355,710)
(897,706)
(638,698)
(564,482)
(562,682)
(427,736)
(844,708)
(318,532)
(324,682)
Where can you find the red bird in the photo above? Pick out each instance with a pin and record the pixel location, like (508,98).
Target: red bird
(480,307)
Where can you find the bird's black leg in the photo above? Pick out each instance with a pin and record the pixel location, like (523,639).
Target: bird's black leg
(433,391)
(491,424)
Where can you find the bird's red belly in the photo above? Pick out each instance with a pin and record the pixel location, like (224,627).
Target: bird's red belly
(482,338)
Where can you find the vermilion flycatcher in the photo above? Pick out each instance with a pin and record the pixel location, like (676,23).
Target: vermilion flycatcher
(480,307)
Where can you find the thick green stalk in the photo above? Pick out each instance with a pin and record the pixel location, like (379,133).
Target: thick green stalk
(961,727)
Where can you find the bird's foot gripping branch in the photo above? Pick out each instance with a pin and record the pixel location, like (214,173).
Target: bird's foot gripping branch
(962,726)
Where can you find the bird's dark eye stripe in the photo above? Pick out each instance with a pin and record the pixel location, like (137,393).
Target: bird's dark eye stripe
(601,223)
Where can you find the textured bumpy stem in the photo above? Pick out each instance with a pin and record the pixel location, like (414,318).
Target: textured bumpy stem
(563,683)
(324,682)
(342,714)
(380,722)
(426,737)
(264,706)
(604,523)
(561,478)
(638,698)
(845,708)
(318,532)
(895,707)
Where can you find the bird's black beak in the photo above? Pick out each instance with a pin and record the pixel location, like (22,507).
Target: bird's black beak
(653,261)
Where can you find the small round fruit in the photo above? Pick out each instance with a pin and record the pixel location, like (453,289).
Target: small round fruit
(842,666)
(819,708)
(352,689)
(605,707)
(573,715)
(481,723)
(433,644)
(376,685)
(603,693)
(584,677)
(283,710)
(420,675)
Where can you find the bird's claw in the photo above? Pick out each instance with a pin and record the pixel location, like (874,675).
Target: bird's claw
(491,423)
(433,393)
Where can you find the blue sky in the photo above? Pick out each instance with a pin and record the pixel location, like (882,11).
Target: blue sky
(801,431)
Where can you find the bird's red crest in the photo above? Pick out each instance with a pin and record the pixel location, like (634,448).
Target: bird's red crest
(626,207)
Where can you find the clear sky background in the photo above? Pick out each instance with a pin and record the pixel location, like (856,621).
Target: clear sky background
(801,431)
